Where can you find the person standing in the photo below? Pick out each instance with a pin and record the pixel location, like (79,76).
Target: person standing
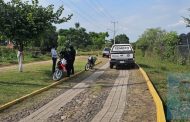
(67,57)
(65,53)
(72,54)
(54,58)
(20,56)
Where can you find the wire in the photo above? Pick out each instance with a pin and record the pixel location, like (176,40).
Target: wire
(88,16)
(105,12)
(95,8)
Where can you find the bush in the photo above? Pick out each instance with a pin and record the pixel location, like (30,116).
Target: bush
(7,54)
(182,61)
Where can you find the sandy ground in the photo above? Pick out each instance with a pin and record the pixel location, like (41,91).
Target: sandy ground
(140,105)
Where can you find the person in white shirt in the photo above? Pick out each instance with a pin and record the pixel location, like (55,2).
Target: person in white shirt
(54,58)
(20,56)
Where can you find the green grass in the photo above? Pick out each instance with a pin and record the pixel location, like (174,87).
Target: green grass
(14,84)
(89,53)
(158,71)
(27,59)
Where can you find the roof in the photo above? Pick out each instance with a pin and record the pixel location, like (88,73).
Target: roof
(121,44)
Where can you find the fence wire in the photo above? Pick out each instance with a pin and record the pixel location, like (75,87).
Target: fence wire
(183,54)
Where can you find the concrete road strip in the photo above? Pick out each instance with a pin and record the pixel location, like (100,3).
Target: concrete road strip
(52,107)
(115,103)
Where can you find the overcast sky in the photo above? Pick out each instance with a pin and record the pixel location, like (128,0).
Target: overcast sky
(133,17)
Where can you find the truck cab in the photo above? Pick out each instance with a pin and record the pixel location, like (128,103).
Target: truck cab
(122,54)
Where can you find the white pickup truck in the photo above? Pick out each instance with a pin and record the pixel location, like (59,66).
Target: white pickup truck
(122,54)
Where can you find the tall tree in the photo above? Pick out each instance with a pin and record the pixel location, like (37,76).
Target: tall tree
(77,25)
(98,39)
(122,38)
(81,39)
(149,38)
(158,42)
(77,36)
(187,20)
(23,22)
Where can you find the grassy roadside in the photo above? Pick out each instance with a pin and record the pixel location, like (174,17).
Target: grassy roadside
(27,59)
(14,84)
(159,72)
(87,53)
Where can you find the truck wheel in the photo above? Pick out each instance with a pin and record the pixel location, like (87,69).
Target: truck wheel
(133,65)
(111,66)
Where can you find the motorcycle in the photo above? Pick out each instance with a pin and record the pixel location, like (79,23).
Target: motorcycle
(90,63)
(60,69)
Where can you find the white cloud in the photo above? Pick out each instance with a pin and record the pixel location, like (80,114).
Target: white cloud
(179,23)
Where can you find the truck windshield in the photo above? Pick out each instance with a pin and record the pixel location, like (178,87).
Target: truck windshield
(121,48)
(106,49)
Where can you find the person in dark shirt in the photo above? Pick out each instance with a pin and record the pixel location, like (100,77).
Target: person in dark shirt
(67,56)
(62,53)
(72,53)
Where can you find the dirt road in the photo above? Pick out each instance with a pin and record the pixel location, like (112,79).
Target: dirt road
(101,95)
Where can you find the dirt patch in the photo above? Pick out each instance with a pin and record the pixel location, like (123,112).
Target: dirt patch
(140,106)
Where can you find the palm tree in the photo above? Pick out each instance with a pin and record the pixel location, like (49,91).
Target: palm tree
(77,25)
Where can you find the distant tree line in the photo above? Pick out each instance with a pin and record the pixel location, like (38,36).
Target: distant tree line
(81,39)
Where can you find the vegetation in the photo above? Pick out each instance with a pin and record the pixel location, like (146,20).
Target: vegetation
(120,39)
(158,42)
(45,42)
(159,71)
(80,39)
(15,84)
(24,23)
(163,55)
(187,20)
(8,56)
(169,46)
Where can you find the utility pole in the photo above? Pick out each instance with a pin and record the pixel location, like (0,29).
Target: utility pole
(188,49)
(114,22)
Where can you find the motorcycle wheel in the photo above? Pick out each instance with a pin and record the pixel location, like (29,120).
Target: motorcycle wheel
(87,66)
(57,75)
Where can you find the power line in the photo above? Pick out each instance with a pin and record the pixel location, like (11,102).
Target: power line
(105,12)
(89,16)
(95,8)
(69,5)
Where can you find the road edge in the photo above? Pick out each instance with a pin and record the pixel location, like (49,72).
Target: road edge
(157,100)
(13,102)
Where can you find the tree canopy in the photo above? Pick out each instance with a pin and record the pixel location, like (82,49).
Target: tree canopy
(158,42)
(122,38)
(81,39)
(187,20)
(22,22)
